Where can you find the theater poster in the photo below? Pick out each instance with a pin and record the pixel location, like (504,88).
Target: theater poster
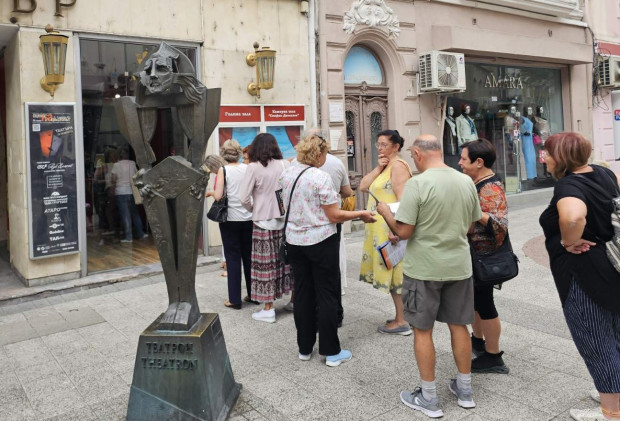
(52,179)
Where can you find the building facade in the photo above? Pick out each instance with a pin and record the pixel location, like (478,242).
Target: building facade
(604,19)
(526,63)
(108,40)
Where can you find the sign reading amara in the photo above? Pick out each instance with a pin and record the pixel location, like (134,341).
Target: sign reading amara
(170,356)
(503,82)
(52,179)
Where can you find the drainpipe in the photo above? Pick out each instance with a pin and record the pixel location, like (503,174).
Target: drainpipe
(312,60)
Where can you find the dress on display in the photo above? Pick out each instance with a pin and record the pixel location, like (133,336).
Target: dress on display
(527,145)
(541,128)
(465,129)
(372,269)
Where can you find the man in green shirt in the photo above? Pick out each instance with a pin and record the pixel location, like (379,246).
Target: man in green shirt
(436,210)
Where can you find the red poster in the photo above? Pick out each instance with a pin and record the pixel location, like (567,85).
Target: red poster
(284,113)
(239,114)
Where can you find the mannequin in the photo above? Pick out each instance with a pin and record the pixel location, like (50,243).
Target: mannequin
(510,124)
(541,125)
(527,146)
(449,134)
(450,147)
(541,128)
(465,127)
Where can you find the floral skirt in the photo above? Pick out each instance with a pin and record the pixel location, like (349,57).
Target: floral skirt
(270,277)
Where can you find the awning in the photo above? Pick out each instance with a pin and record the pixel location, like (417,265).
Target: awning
(482,42)
(7,31)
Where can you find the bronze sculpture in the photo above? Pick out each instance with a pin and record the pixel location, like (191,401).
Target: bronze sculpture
(173,190)
(182,368)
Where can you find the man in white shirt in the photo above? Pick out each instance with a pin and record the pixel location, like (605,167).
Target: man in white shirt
(121,176)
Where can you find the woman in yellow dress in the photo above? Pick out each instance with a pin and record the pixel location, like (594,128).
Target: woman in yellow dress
(386,182)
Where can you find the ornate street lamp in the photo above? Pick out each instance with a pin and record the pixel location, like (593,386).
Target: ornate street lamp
(265,62)
(54,49)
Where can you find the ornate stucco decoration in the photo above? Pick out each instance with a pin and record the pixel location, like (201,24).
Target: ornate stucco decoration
(371,13)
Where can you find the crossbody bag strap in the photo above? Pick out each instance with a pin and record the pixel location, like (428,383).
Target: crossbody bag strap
(224,171)
(289,203)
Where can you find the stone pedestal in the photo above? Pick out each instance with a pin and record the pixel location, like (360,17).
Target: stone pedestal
(183,375)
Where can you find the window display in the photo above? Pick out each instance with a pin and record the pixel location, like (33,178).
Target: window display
(517,109)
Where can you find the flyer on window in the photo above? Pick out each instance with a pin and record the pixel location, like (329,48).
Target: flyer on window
(52,179)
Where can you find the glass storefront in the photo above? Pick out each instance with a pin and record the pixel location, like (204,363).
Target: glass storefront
(109,70)
(514,107)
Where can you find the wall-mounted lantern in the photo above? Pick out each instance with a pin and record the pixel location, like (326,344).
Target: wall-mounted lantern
(265,62)
(54,49)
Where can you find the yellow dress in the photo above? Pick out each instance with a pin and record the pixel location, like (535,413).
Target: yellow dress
(372,269)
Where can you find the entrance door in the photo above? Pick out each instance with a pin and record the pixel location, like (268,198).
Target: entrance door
(366,116)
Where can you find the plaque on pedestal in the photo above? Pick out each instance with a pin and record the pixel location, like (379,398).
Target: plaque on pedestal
(183,375)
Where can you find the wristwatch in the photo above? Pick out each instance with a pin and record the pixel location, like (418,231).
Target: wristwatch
(565,245)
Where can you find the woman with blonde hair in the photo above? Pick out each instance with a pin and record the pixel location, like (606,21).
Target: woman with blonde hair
(577,224)
(313,245)
(237,230)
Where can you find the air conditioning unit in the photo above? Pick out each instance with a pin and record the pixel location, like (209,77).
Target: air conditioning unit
(441,72)
(609,72)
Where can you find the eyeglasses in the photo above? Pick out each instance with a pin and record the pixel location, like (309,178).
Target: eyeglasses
(382,145)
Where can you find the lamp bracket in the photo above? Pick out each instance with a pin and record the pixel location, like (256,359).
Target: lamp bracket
(48,87)
(253,89)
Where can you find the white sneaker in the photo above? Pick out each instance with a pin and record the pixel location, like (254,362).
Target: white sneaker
(587,414)
(268,316)
(305,357)
(290,306)
(595,395)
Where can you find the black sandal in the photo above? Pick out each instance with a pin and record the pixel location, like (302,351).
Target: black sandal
(247,299)
(231,305)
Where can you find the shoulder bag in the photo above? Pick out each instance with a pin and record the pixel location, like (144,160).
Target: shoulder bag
(219,208)
(283,251)
(495,267)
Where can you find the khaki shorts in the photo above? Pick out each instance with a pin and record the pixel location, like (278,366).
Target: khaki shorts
(449,302)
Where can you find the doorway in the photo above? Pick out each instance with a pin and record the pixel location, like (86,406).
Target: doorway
(366,111)
(366,116)
(109,69)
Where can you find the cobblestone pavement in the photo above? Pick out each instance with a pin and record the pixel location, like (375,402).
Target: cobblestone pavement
(70,357)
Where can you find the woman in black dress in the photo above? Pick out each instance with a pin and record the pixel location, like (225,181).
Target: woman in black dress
(577,224)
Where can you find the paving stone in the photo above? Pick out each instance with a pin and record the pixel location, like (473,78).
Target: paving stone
(16,332)
(113,408)
(80,414)
(14,405)
(47,326)
(53,395)
(81,317)
(96,385)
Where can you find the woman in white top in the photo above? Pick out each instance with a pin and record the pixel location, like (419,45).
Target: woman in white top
(260,194)
(237,230)
(313,245)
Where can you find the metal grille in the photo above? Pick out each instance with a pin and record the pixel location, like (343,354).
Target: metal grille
(426,72)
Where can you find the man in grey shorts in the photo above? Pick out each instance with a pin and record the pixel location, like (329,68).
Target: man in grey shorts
(436,210)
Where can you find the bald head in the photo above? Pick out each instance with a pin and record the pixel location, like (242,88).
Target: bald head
(426,152)
(427,143)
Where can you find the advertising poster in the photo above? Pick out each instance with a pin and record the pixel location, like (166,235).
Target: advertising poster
(52,179)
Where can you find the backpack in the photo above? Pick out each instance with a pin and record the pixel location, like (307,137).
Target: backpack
(612,247)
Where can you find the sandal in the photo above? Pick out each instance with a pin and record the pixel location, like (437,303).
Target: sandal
(247,299)
(231,305)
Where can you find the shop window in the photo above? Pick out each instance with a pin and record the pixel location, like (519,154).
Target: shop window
(514,107)
(109,69)
(361,65)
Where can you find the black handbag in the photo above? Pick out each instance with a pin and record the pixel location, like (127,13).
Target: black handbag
(219,209)
(283,250)
(495,267)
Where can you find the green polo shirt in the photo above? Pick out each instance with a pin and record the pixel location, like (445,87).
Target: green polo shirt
(441,203)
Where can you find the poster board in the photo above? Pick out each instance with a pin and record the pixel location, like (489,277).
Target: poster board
(52,179)
(244,122)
